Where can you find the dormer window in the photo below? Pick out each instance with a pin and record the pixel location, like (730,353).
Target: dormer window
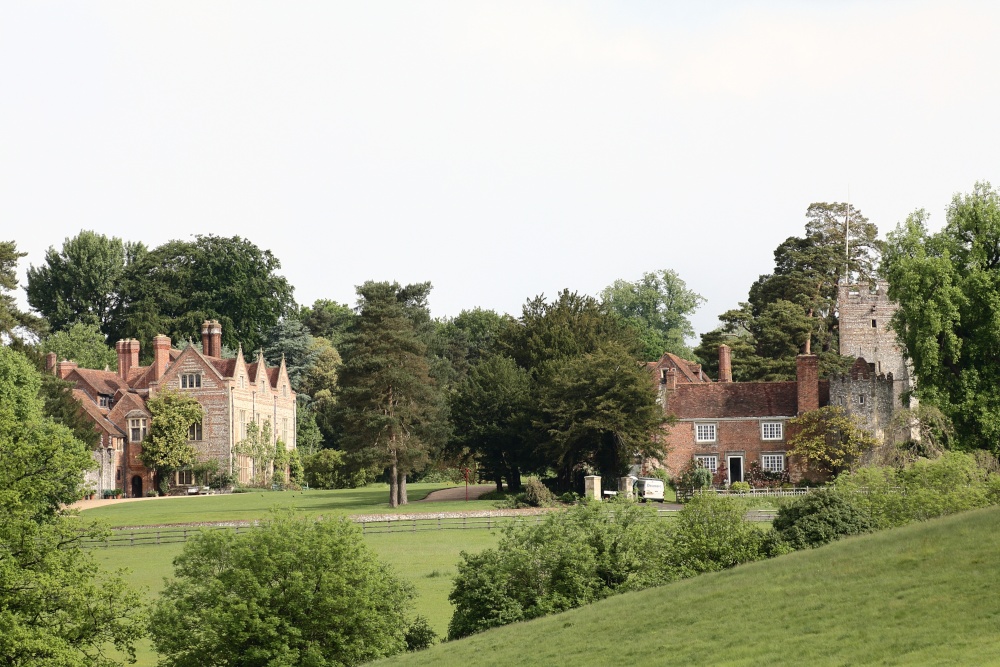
(190,380)
(104,401)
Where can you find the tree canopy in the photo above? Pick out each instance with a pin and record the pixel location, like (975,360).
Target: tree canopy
(168,446)
(658,306)
(56,606)
(947,286)
(82,343)
(388,406)
(793,309)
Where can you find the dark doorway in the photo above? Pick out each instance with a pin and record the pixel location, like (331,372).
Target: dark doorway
(137,487)
(735,469)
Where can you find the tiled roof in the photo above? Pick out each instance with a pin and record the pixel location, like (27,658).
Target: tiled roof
(687,371)
(95,413)
(720,400)
(226,367)
(99,382)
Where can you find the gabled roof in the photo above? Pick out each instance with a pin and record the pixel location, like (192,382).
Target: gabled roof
(687,371)
(96,414)
(96,383)
(226,367)
(126,404)
(721,400)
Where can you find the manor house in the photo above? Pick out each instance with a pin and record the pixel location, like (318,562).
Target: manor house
(232,393)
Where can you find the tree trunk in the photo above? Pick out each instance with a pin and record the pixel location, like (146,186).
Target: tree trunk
(401,487)
(499,483)
(393,486)
(514,479)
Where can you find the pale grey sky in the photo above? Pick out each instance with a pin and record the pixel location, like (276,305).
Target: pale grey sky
(498,149)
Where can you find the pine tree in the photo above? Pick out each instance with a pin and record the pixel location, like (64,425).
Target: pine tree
(389,407)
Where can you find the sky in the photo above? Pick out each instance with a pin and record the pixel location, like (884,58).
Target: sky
(500,150)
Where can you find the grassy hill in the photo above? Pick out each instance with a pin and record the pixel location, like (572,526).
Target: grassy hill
(925,594)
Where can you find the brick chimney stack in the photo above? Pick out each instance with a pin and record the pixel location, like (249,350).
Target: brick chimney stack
(206,341)
(725,364)
(64,368)
(161,355)
(215,338)
(50,362)
(671,379)
(128,356)
(807,381)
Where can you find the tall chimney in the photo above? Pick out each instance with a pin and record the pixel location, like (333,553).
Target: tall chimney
(206,341)
(161,355)
(123,348)
(132,346)
(725,364)
(50,362)
(671,379)
(807,382)
(64,368)
(215,337)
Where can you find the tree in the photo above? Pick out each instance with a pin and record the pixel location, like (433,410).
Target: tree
(180,284)
(56,606)
(318,387)
(947,286)
(82,343)
(84,281)
(490,414)
(793,309)
(328,319)
(819,518)
(269,455)
(290,340)
(598,411)
(10,316)
(828,438)
(388,406)
(291,592)
(658,306)
(168,447)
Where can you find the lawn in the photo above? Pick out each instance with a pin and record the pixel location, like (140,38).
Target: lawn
(373,499)
(924,594)
(426,559)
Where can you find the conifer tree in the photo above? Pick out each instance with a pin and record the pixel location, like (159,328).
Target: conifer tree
(390,409)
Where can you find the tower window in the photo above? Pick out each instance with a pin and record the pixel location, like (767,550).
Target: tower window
(874,324)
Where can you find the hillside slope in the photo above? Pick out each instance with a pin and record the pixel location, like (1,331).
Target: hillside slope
(925,594)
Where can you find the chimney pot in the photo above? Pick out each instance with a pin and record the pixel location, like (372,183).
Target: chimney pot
(161,355)
(725,364)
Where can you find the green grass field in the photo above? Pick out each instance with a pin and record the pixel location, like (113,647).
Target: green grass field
(425,559)
(925,594)
(373,499)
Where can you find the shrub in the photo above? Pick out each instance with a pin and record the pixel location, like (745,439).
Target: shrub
(820,517)
(694,477)
(740,487)
(537,494)
(327,469)
(570,559)
(304,592)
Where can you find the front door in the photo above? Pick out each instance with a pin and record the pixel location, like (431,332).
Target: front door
(137,487)
(735,465)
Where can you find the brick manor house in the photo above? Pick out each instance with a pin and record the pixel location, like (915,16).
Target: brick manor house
(232,393)
(738,424)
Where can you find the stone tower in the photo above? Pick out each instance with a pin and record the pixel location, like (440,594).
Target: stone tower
(865,313)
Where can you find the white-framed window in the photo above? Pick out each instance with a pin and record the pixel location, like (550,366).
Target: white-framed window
(705,432)
(772,462)
(137,430)
(185,477)
(104,401)
(190,380)
(194,431)
(772,430)
(861,399)
(710,462)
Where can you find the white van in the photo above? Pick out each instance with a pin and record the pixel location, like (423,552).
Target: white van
(649,488)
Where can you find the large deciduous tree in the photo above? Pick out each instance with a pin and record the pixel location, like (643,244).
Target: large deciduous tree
(84,281)
(82,343)
(290,592)
(175,287)
(947,286)
(56,606)
(828,439)
(658,306)
(389,407)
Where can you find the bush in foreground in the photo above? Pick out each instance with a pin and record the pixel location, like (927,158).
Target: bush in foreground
(594,550)
(819,518)
(291,592)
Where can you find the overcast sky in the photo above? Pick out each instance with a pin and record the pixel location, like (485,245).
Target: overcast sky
(500,150)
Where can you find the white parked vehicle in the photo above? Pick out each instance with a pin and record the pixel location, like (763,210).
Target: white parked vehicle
(649,488)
